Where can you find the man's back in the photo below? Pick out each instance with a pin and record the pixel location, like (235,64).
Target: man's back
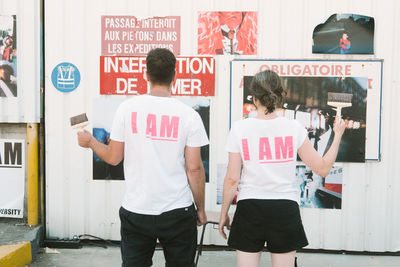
(156,131)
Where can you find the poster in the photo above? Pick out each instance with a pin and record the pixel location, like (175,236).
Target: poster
(8,56)
(103,114)
(221,173)
(104,109)
(344,34)
(202,106)
(307,84)
(195,76)
(227,33)
(129,36)
(314,191)
(12,178)
(318,192)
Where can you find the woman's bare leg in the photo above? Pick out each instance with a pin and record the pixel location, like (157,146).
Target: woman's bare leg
(283,259)
(248,259)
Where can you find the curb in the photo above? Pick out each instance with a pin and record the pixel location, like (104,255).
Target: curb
(16,255)
(34,237)
(23,250)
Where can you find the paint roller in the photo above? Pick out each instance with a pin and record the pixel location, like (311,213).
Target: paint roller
(339,101)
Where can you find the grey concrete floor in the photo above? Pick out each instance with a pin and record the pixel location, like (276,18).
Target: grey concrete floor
(12,232)
(110,257)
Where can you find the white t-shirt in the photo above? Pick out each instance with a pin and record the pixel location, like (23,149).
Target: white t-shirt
(155,131)
(269,151)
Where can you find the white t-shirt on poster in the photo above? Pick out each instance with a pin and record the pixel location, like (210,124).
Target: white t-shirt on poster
(269,151)
(155,131)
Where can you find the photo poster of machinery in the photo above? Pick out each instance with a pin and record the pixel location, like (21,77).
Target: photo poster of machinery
(319,192)
(104,109)
(315,92)
(314,191)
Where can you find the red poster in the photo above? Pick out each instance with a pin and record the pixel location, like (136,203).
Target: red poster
(228,33)
(129,36)
(195,76)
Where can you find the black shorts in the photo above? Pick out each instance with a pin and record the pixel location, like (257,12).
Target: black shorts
(176,230)
(276,222)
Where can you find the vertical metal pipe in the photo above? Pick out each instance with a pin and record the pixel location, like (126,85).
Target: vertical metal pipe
(33,173)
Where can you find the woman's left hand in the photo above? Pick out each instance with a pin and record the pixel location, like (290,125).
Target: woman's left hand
(224,221)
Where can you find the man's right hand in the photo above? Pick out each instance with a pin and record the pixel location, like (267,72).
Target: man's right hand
(84,138)
(201,217)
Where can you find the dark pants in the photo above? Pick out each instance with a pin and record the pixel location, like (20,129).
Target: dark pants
(176,230)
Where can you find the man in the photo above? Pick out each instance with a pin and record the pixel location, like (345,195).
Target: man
(159,138)
(7,50)
(344,44)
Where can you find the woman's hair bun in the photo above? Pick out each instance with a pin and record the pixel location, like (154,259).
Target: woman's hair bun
(267,88)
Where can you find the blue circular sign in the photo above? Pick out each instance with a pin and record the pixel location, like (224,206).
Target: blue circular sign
(65,77)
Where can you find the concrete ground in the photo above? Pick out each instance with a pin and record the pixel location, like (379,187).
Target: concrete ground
(101,257)
(12,232)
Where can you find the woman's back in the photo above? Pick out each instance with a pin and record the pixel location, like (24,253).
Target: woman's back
(268,148)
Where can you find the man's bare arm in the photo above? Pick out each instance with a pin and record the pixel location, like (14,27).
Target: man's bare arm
(112,153)
(196,178)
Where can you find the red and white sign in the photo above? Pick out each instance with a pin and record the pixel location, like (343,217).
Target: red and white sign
(195,76)
(129,36)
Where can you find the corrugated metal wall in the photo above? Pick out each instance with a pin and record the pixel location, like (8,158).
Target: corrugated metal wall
(25,107)
(75,204)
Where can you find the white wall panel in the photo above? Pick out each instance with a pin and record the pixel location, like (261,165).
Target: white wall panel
(25,107)
(75,204)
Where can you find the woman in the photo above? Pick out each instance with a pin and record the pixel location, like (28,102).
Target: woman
(267,146)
